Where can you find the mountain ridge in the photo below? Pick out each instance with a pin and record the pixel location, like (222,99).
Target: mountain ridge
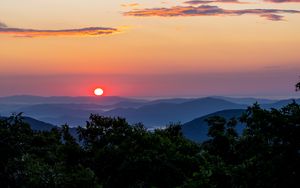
(153,113)
(197,129)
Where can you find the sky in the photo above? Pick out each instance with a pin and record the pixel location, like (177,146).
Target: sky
(150,48)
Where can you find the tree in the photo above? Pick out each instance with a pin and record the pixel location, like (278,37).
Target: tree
(265,155)
(112,153)
(130,156)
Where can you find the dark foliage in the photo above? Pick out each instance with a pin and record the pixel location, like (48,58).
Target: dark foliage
(298,86)
(112,153)
(266,155)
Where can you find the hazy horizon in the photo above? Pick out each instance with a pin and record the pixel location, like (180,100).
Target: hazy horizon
(164,97)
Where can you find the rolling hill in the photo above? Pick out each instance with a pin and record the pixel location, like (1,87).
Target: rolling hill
(161,114)
(28,99)
(152,113)
(197,129)
(35,124)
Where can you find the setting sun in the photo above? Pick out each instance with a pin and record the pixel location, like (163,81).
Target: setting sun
(98,91)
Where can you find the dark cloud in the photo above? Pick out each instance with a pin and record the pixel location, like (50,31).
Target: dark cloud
(89,31)
(2,25)
(227,1)
(207,10)
(198,2)
(283,1)
(272,17)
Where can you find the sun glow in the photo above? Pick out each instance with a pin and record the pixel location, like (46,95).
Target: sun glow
(98,91)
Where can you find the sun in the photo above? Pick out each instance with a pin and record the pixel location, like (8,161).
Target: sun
(98,91)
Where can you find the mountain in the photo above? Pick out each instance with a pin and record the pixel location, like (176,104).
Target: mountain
(74,111)
(60,110)
(36,124)
(247,100)
(280,104)
(197,129)
(171,100)
(71,120)
(72,114)
(126,104)
(161,114)
(28,99)
(264,103)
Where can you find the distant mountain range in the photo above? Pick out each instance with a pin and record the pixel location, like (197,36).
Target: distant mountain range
(247,101)
(28,99)
(160,114)
(75,111)
(195,130)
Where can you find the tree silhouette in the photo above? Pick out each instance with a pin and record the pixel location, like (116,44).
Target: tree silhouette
(109,152)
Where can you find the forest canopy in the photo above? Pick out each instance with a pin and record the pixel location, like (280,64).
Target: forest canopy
(109,152)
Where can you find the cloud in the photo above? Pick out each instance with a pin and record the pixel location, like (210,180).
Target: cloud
(283,1)
(272,17)
(88,31)
(131,5)
(207,10)
(198,2)
(2,25)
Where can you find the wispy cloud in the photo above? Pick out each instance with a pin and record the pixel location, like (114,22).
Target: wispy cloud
(88,31)
(207,10)
(130,5)
(273,17)
(283,1)
(198,2)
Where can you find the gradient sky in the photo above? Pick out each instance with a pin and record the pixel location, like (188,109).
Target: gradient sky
(150,48)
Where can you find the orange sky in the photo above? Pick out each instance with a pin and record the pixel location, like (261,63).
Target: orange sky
(124,45)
